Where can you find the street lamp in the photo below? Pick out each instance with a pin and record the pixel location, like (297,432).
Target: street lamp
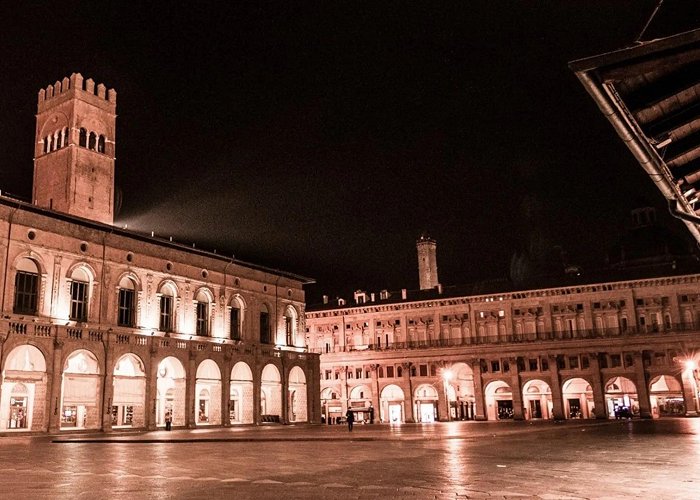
(446,377)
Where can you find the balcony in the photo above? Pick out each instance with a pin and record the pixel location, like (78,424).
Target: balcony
(524,338)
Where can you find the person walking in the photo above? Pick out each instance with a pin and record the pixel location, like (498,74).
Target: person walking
(168,420)
(351,418)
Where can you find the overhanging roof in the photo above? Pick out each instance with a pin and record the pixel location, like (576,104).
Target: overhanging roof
(650,93)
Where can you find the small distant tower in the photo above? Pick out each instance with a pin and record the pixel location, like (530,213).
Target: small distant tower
(427,262)
(74,149)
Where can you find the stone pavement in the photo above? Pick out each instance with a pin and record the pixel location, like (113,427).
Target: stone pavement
(544,460)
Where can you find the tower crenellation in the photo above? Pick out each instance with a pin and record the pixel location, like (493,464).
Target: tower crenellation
(74,154)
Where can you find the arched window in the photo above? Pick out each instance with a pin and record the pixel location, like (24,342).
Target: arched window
(236,319)
(46,144)
(65,136)
(166,309)
(265,330)
(82,140)
(26,287)
(290,325)
(126,313)
(50,146)
(79,295)
(202,311)
(92,141)
(58,139)
(101,144)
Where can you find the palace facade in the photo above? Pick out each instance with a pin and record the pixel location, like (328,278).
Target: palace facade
(104,328)
(593,349)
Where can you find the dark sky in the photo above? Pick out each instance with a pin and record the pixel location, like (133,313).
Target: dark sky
(324,138)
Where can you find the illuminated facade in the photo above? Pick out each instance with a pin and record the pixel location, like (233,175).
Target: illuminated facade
(103,328)
(586,350)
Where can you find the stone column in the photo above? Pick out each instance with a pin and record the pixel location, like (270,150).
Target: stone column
(108,388)
(642,386)
(257,385)
(517,390)
(408,382)
(689,393)
(557,397)
(597,386)
(190,388)
(375,390)
(151,387)
(480,410)
(226,388)
(56,376)
(284,382)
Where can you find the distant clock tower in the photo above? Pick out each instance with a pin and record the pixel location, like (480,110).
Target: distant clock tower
(74,149)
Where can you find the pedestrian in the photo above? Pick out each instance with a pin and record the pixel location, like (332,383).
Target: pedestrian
(351,418)
(168,420)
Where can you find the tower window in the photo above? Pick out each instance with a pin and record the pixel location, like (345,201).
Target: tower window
(78,300)
(166,313)
(92,141)
(235,323)
(82,141)
(202,319)
(26,284)
(101,144)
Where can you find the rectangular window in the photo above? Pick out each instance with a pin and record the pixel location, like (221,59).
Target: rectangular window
(532,364)
(615,360)
(495,366)
(265,336)
(78,300)
(202,319)
(25,292)
(166,313)
(328,374)
(358,372)
(423,370)
(235,323)
(390,371)
(289,329)
(126,307)
(573,362)
(585,364)
(544,364)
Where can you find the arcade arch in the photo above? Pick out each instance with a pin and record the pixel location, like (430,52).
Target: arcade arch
(270,393)
(80,391)
(296,403)
(241,394)
(391,404)
(24,384)
(666,396)
(208,393)
(461,397)
(129,398)
(425,399)
(499,401)
(578,399)
(170,402)
(621,398)
(537,399)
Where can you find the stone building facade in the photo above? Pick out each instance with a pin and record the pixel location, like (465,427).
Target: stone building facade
(103,328)
(596,349)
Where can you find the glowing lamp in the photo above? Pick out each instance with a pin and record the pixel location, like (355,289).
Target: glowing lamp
(690,365)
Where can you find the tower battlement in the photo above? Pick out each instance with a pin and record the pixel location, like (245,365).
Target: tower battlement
(76,82)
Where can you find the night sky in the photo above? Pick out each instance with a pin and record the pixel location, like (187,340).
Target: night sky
(324,138)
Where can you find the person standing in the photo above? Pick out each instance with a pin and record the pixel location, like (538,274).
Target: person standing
(168,420)
(351,418)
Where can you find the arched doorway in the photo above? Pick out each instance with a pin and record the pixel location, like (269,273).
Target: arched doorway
(128,401)
(171,392)
(296,404)
(23,389)
(425,399)
(621,398)
(391,404)
(537,399)
(360,403)
(666,396)
(208,393)
(81,389)
(331,406)
(270,394)
(578,399)
(463,404)
(499,401)
(241,398)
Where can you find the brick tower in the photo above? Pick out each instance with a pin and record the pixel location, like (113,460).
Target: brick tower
(427,262)
(74,149)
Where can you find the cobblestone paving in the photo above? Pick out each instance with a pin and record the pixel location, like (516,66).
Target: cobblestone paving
(543,460)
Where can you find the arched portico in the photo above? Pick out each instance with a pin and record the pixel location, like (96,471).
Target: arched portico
(241,394)
(621,398)
(464,401)
(270,393)
(537,399)
(24,384)
(129,398)
(666,396)
(208,393)
(80,391)
(331,406)
(426,400)
(171,392)
(578,399)
(499,401)
(296,394)
(391,404)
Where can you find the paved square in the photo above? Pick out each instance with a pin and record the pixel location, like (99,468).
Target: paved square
(612,459)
